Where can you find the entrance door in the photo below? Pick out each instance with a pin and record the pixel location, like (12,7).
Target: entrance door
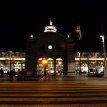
(59,66)
(49,67)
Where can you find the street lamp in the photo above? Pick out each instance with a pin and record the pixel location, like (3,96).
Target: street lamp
(79,63)
(104,52)
(10,59)
(45,62)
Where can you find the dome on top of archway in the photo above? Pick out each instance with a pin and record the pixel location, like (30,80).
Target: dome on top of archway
(50,28)
(50,33)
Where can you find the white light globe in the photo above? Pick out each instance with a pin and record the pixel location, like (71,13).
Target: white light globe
(50,47)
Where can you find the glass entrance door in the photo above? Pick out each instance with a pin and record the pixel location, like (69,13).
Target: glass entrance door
(59,66)
(51,67)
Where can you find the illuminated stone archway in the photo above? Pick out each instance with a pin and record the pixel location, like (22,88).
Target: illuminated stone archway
(49,44)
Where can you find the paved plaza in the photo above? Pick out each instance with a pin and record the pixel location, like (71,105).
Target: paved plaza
(57,93)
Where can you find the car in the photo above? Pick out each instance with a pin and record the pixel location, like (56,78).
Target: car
(84,69)
(100,70)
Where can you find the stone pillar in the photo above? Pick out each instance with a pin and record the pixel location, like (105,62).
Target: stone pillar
(54,67)
(105,70)
(30,65)
(71,64)
(71,68)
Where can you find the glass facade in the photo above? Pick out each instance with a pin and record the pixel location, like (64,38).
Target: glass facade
(12,60)
(89,63)
(85,62)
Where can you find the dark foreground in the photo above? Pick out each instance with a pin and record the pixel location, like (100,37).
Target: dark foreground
(81,93)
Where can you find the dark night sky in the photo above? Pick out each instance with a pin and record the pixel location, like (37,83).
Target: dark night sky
(20,18)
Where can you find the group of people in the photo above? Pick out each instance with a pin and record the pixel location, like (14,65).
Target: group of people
(19,75)
(13,75)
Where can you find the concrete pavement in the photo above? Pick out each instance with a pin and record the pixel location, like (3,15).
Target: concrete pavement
(54,93)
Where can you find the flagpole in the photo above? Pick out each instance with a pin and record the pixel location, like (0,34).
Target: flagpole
(80,33)
(78,30)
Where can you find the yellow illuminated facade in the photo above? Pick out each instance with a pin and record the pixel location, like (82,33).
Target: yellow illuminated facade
(12,60)
(16,60)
